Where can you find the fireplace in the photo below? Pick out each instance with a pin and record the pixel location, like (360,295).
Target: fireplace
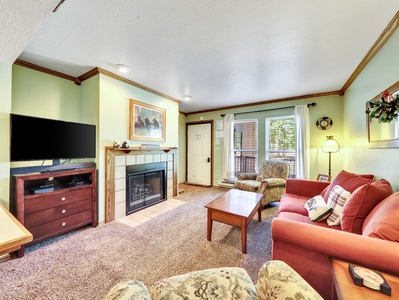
(145,185)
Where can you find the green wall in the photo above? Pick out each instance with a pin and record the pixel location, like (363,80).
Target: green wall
(379,74)
(114,101)
(330,106)
(38,94)
(100,100)
(5,109)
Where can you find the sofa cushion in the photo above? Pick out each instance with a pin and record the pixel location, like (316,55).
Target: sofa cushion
(383,221)
(336,200)
(304,219)
(362,201)
(348,181)
(293,203)
(219,283)
(317,208)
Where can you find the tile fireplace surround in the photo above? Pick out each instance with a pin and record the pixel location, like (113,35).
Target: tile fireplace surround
(115,178)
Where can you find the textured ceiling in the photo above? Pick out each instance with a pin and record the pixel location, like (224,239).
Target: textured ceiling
(19,22)
(222,53)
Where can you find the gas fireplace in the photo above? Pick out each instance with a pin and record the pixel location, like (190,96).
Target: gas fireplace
(145,185)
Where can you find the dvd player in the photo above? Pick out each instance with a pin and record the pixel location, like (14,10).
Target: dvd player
(41,190)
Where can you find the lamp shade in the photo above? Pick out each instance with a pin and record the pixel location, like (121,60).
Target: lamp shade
(330,145)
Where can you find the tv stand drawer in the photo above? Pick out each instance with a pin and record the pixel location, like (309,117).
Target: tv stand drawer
(59,226)
(57,198)
(57,212)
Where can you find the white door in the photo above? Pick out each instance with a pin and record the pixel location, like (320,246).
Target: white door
(199,154)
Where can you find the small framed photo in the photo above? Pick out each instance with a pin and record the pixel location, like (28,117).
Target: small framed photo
(322,177)
(147,122)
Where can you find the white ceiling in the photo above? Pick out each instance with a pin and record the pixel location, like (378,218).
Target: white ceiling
(221,52)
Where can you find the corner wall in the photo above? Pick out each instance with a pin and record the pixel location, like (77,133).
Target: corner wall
(114,101)
(5,109)
(379,74)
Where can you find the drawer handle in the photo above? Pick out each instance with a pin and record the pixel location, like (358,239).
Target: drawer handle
(63,224)
(63,211)
(63,199)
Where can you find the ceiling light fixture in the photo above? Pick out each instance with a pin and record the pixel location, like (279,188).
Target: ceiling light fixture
(187,98)
(123,68)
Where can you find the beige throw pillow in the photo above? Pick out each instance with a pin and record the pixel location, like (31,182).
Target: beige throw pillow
(336,200)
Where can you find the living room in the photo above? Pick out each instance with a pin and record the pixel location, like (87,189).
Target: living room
(103,100)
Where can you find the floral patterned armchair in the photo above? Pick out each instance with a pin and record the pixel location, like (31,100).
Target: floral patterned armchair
(269,181)
(276,280)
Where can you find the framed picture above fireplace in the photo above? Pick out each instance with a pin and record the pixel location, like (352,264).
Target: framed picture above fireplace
(147,122)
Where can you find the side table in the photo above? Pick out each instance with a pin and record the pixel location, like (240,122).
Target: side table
(346,289)
(12,233)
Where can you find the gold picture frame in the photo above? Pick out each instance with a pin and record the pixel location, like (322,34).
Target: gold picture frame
(322,177)
(146,122)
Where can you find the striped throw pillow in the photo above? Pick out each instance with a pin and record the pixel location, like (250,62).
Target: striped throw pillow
(336,200)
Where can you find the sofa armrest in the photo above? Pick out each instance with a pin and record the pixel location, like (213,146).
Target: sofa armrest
(246,176)
(358,249)
(307,248)
(305,187)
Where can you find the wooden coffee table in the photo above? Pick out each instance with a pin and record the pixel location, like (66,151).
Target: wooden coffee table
(236,208)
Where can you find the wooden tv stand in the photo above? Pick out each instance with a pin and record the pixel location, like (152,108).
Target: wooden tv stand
(49,204)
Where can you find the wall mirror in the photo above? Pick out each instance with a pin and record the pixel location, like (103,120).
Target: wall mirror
(383,135)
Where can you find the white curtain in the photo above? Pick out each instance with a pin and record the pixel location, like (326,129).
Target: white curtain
(302,141)
(228,147)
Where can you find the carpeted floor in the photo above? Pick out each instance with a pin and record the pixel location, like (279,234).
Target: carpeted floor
(86,263)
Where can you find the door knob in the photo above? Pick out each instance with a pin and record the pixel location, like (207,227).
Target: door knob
(208,159)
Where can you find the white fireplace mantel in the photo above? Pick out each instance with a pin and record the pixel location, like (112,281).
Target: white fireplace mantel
(115,178)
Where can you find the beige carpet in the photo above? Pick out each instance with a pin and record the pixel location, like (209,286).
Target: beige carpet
(86,263)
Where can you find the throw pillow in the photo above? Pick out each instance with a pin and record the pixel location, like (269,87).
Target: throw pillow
(318,209)
(362,201)
(336,200)
(348,181)
(383,222)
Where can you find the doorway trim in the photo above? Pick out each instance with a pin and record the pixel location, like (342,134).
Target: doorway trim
(212,145)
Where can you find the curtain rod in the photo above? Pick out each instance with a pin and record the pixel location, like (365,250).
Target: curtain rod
(309,104)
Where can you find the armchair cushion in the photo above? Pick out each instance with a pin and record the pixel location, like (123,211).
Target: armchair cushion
(247,185)
(246,176)
(219,283)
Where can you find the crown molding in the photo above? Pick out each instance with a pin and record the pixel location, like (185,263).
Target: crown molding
(266,102)
(383,38)
(29,65)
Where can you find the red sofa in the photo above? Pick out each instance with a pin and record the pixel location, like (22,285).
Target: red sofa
(368,234)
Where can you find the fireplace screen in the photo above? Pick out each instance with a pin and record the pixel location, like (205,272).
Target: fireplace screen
(144,187)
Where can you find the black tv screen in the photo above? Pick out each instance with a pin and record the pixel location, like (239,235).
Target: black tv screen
(33,138)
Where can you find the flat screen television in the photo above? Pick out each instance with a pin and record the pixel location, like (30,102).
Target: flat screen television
(34,138)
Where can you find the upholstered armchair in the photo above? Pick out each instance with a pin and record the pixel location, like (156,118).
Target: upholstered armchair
(269,181)
(276,280)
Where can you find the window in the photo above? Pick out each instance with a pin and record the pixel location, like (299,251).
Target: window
(281,139)
(245,146)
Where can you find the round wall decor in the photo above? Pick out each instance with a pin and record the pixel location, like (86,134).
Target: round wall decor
(324,123)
